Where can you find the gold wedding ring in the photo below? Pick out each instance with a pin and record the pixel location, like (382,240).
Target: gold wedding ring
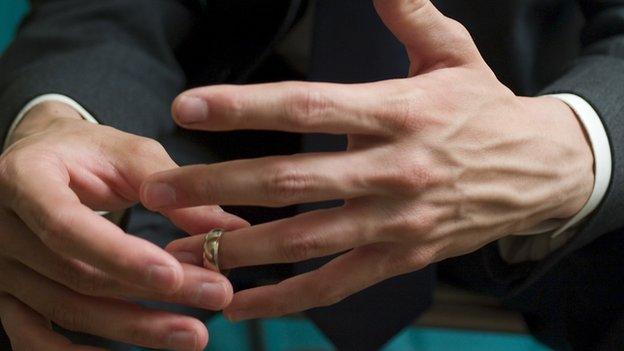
(211,249)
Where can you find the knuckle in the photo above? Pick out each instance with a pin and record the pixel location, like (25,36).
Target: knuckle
(411,226)
(146,147)
(413,177)
(459,30)
(66,316)
(234,107)
(52,227)
(308,107)
(79,279)
(301,246)
(285,183)
(409,177)
(403,113)
(12,166)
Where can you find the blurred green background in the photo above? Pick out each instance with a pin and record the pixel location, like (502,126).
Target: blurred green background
(287,334)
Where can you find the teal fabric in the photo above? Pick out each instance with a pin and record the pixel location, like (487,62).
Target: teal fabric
(11,11)
(299,334)
(288,334)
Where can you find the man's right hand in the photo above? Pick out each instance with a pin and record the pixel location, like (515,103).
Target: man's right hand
(62,262)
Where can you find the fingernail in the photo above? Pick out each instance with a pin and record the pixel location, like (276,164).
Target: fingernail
(212,295)
(186,257)
(158,195)
(191,109)
(183,341)
(161,276)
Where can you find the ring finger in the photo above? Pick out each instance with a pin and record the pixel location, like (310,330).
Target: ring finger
(308,235)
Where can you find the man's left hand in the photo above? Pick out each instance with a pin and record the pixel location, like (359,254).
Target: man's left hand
(438,165)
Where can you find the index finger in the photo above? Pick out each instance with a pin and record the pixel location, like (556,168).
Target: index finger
(286,106)
(51,210)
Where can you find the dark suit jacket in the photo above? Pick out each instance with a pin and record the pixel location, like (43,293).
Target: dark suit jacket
(125,61)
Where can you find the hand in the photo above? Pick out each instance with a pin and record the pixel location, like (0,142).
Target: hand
(62,262)
(438,165)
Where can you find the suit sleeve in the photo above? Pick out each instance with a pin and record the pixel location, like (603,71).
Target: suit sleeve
(598,77)
(117,58)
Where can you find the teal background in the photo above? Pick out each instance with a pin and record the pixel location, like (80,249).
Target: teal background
(299,334)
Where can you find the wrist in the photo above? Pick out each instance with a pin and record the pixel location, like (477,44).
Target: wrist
(568,134)
(40,117)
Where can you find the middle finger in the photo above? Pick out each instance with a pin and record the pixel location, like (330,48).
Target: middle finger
(269,181)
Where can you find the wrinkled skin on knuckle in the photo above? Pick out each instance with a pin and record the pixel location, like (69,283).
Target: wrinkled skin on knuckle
(409,223)
(64,313)
(232,109)
(284,183)
(82,278)
(412,177)
(307,107)
(402,113)
(52,226)
(300,246)
(406,174)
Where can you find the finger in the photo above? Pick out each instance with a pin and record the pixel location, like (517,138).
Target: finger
(286,106)
(28,330)
(338,279)
(431,38)
(202,219)
(107,318)
(53,212)
(270,181)
(309,235)
(200,288)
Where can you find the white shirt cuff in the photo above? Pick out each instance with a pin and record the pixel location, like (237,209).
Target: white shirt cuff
(552,234)
(601,149)
(45,98)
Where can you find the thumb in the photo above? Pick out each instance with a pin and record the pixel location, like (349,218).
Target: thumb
(432,40)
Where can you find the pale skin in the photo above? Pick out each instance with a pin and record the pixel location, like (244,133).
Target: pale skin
(61,262)
(438,165)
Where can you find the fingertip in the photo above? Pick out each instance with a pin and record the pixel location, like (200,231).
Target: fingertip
(189,109)
(203,337)
(235,223)
(229,293)
(156,195)
(201,332)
